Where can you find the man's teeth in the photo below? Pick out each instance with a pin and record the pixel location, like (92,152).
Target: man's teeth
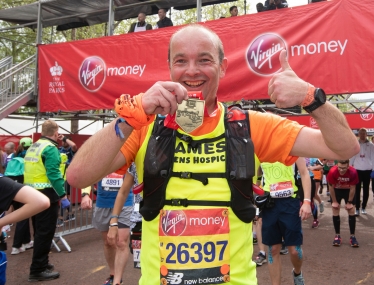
(194,84)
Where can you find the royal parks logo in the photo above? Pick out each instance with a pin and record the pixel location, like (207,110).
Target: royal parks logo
(263,54)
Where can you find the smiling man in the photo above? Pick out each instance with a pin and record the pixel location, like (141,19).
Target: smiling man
(176,172)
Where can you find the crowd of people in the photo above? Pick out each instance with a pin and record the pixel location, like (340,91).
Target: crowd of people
(141,25)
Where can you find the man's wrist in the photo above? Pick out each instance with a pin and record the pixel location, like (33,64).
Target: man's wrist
(309,97)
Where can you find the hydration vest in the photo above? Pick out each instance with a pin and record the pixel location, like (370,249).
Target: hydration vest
(240,167)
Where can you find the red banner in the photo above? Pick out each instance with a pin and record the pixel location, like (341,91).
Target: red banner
(355,121)
(329,44)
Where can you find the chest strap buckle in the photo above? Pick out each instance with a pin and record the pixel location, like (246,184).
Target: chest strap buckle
(185,175)
(179,202)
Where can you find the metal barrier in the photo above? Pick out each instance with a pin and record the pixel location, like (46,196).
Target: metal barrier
(74,219)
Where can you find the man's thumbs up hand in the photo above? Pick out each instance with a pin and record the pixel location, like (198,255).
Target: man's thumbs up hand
(286,89)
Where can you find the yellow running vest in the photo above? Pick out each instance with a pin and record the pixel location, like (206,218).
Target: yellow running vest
(279,180)
(196,244)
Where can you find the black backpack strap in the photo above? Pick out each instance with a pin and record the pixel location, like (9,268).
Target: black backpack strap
(186,203)
(202,177)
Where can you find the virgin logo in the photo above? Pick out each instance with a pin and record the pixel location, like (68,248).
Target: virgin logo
(367,115)
(313,123)
(263,54)
(92,73)
(174,223)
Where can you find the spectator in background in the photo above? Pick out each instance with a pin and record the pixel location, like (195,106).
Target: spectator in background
(10,149)
(69,148)
(2,161)
(363,162)
(141,25)
(164,21)
(260,7)
(233,11)
(276,4)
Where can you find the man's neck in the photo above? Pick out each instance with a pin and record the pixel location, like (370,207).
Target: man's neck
(363,141)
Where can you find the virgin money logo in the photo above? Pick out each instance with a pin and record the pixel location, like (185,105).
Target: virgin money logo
(92,73)
(263,54)
(365,116)
(173,223)
(313,123)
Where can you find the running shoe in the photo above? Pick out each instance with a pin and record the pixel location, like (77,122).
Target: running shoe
(299,279)
(357,213)
(16,250)
(337,241)
(29,244)
(321,207)
(284,249)
(315,224)
(69,217)
(260,259)
(363,211)
(109,280)
(60,223)
(327,193)
(255,240)
(354,242)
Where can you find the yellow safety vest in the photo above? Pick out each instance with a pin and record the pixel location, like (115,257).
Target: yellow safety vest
(64,160)
(35,172)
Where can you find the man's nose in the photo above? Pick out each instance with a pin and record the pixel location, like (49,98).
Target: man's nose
(192,69)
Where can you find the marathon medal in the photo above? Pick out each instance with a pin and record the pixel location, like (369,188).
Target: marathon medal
(190,114)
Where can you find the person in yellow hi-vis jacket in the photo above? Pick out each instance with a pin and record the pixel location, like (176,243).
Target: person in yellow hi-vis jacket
(42,172)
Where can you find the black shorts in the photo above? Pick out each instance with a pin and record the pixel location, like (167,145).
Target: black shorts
(343,194)
(282,221)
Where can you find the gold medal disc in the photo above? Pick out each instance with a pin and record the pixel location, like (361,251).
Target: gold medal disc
(190,114)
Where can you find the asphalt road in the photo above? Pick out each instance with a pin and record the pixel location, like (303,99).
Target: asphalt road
(323,263)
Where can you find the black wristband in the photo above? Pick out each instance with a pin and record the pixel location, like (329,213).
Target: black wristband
(350,202)
(64,139)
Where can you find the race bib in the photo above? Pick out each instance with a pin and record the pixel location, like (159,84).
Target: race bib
(194,246)
(112,182)
(281,189)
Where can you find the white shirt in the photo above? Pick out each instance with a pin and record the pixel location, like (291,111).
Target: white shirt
(365,158)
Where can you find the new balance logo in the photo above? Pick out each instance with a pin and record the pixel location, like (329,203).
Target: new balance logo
(174,278)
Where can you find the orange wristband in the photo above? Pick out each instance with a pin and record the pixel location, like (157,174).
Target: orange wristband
(309,97)
(131,109)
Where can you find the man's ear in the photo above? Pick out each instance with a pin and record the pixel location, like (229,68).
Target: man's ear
(223,66)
